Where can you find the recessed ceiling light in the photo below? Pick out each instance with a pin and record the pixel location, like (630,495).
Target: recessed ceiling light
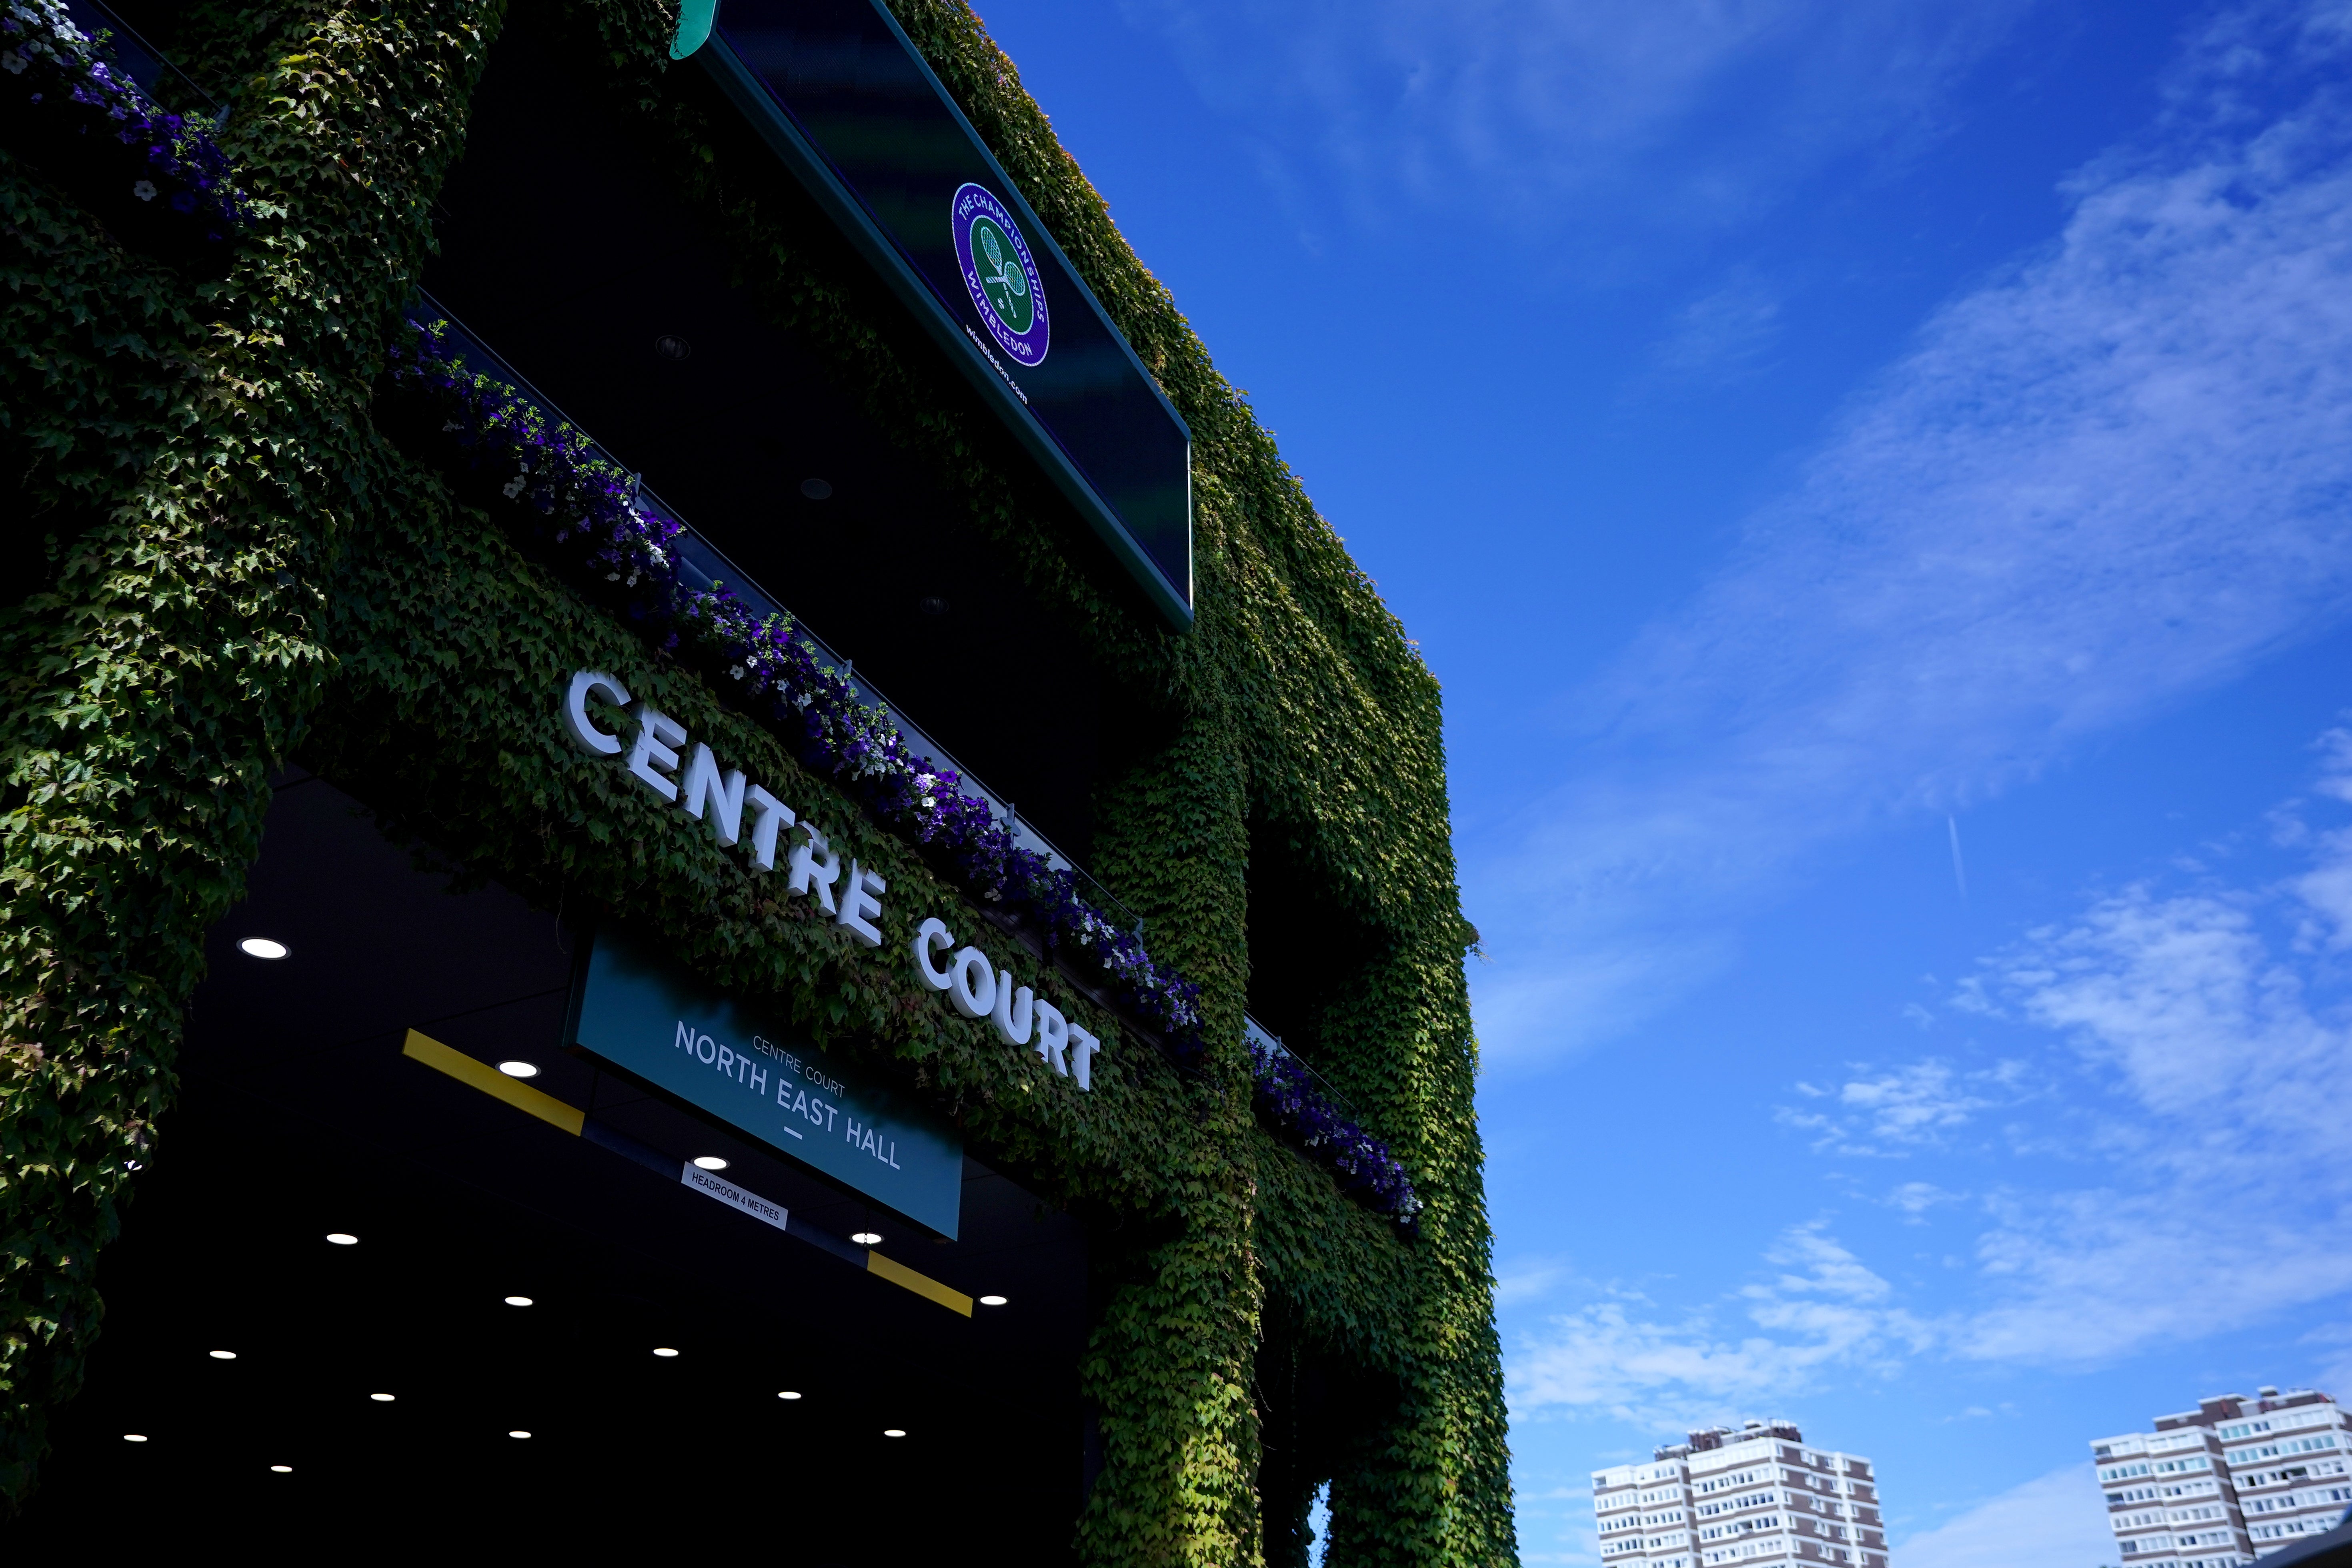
(992,1300)
(867,1238)
(789,1393)
(519,1069)
(222,1355)
(262,947)
(815,490)
(517,1431)
(517,1300)
(708,1162)
(670,346)
(664,1350)
(342,1238)
(380,1398)
(892,1432)
(134,1436)
(283,1469)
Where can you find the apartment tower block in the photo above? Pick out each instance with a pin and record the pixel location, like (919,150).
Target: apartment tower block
(1753,1494)
(2229,1482)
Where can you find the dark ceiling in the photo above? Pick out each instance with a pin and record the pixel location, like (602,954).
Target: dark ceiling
(298,1117)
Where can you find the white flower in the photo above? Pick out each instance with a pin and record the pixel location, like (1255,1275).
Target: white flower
(143,189)
(14,63)
(514,486)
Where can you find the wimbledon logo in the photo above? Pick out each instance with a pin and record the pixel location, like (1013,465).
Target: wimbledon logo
(1003,279)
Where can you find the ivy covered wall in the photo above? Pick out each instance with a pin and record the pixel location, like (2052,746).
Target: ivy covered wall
(228,566)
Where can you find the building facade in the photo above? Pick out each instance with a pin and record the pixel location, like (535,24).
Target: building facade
(700,844)
(1756,1493)
(2229,1482)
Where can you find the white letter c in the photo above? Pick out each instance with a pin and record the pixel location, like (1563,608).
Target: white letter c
(930,937)
(586,736)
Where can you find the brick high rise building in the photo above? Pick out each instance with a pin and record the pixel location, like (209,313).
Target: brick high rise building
(1754,1494)
(2229,1482)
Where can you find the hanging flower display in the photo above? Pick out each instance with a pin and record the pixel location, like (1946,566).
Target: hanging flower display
(593,514)
(158,179)
(1286,1096)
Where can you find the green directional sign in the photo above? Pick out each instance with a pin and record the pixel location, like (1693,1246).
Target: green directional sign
(653,1021)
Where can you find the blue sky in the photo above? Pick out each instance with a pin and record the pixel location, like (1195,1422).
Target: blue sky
(1873,480)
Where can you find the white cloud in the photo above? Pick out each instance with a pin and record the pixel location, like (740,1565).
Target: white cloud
(1918,1103)
(2223,1127)
(2183,997)
(2057,1521)
(1916,1199)
(2332,1340)
(2212,1039)
(1821,1310)
(2209,1067)
(1722,335)
(1527,110)
(2111,479)
(1528,1282)
(1897,1110)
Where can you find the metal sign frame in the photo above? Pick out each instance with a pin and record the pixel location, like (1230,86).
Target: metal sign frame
(702,36)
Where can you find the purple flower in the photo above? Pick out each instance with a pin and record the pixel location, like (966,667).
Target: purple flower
(592,508)
(182,160)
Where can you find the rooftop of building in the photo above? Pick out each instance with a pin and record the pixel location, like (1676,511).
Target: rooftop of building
(2214,1409)
(1713,1438)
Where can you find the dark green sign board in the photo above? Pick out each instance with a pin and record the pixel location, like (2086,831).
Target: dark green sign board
(656,1023)
(841,94)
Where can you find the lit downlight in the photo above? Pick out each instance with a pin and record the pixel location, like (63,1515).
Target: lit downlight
(342,1238)
(281,1469)
(992,1300)
(262,947)
(664,1350)
(517,1300)
(708,1162)
(134,1436)
(867,1238)
(517,1431)
(380,1398)
(893,1432)
(520,1069)
(789,1393)
(222,1355)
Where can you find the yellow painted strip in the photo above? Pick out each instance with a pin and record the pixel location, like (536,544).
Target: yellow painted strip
(921,1284)
(494,1083)
(547,1107)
